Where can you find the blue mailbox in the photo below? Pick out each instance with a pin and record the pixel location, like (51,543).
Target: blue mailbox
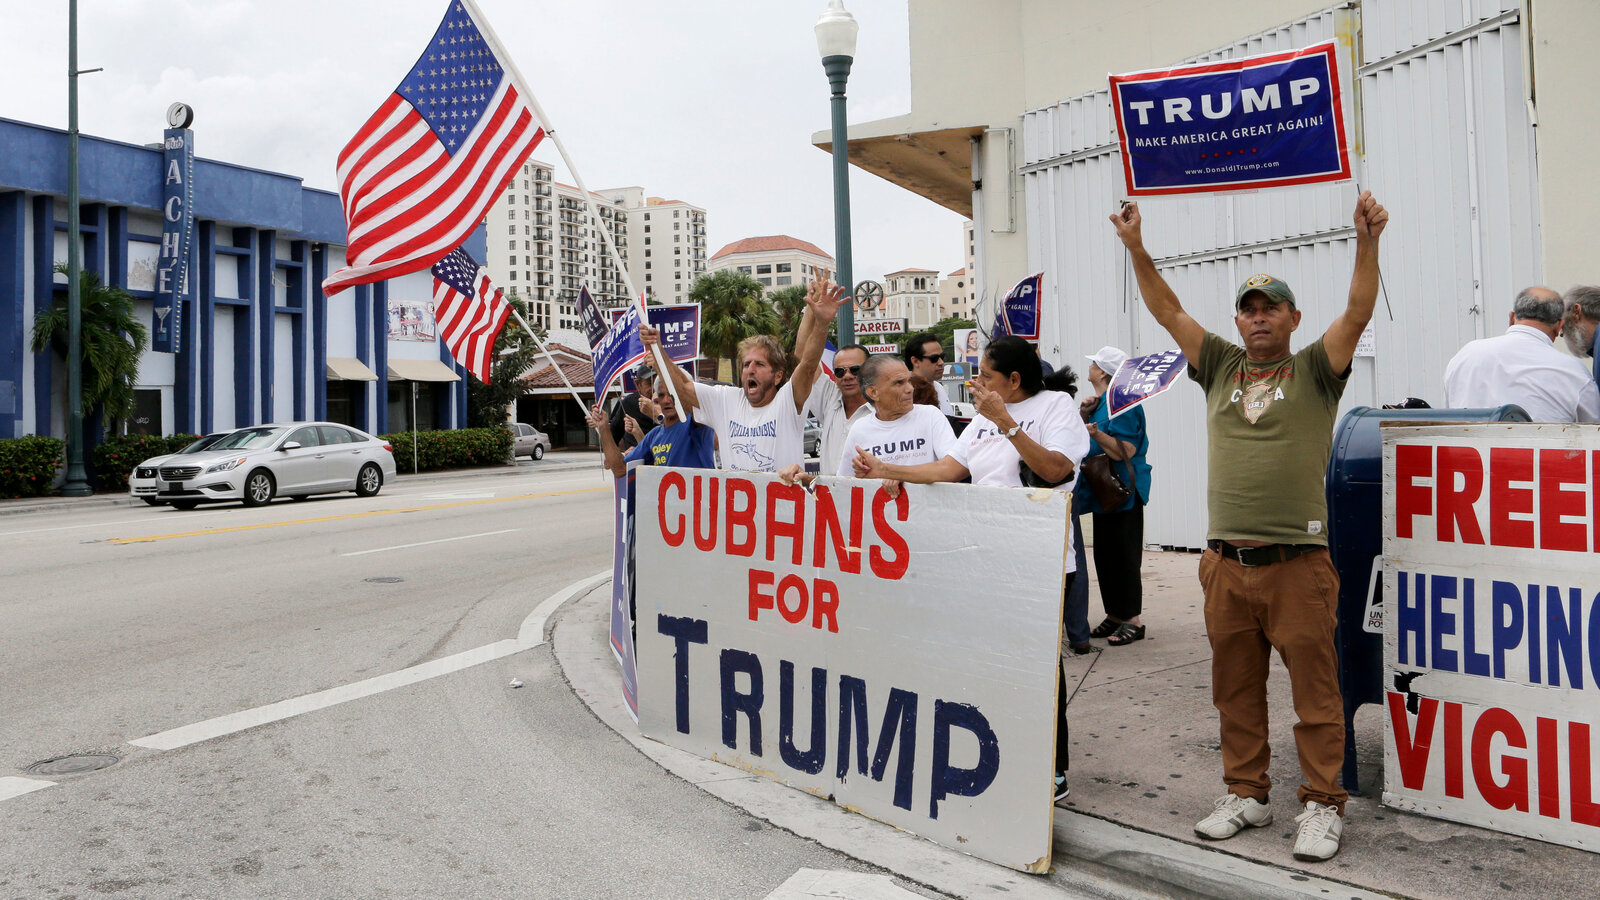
(1355,516)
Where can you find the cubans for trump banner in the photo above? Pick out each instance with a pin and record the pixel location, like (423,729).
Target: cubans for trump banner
(1492,627)
(1261,121)
(838,641)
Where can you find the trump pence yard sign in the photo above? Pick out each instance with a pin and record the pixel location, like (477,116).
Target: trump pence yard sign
(1492,632)
(860,648)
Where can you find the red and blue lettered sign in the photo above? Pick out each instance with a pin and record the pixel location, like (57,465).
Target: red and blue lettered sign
(1141,378)
(1241,124)
(1019,312)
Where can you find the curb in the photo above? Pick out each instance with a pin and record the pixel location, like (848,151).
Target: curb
(1094,857)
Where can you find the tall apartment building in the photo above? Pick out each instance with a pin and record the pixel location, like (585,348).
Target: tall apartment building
(776,260)
(544,246)
(913,295)
(669,250)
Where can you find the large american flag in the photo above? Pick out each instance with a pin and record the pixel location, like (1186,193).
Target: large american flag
(469,311)
(423,171)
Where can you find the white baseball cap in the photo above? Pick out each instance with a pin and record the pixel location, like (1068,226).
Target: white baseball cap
(1109,359)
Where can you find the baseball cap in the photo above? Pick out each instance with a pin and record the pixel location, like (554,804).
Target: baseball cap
(1109,359)
(1266,284)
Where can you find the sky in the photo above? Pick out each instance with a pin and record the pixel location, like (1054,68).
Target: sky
(712,102)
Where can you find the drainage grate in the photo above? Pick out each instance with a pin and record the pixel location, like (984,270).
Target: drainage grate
(384,579)
(75,764)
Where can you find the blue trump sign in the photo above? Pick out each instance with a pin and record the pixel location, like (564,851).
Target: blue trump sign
(679,326)
(1261,121)
(620,349)
(1141,378)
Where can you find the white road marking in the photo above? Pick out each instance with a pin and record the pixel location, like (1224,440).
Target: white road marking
(806,884)
(530,635)
(16,786)
(447,540)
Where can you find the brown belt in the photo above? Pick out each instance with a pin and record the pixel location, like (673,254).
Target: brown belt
(1262,556)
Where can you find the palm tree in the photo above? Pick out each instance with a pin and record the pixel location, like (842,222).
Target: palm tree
(732,308)
(789,303)
(112,341)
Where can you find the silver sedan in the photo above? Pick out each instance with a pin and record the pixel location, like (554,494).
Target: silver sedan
(295,460)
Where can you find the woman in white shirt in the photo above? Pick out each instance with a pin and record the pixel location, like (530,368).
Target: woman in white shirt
(1017,423)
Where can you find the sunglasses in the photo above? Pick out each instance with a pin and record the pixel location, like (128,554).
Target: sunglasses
(934,357)
(841,371)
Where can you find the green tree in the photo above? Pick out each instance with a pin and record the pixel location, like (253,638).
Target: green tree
(788,303)
(514,354)
(732,308)
(112,341)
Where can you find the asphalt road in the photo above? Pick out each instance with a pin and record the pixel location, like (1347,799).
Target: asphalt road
(123,623)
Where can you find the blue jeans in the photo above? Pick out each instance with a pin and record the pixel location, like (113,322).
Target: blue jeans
(1075,611)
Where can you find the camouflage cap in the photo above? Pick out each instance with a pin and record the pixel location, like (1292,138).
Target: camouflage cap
(1268,285)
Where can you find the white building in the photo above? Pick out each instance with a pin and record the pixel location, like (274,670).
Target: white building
(955,295)
(544,246)
(913,295)
(669,244)
(774,260)
(1473,124)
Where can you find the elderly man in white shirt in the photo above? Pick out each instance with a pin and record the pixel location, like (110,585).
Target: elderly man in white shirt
(1524,367)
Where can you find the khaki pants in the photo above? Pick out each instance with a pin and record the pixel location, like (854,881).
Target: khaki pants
(1292,607)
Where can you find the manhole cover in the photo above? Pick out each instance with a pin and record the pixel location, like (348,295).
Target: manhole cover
(76,764)
(384,579)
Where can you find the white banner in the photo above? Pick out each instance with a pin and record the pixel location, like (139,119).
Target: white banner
(1492,627)
(860,647)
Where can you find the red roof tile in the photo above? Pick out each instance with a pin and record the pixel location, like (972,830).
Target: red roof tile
(770,244)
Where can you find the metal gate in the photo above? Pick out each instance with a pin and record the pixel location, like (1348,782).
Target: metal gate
(1441,135)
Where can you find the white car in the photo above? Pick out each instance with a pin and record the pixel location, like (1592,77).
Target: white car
(266,461)
(528,441)
(142,480)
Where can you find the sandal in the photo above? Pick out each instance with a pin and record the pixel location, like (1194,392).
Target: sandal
(1107,627)
(1125,634)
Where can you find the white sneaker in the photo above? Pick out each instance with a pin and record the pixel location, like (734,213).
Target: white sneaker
(1320,827)
(1233,813)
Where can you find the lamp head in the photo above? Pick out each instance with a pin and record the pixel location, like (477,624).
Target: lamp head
(836,31)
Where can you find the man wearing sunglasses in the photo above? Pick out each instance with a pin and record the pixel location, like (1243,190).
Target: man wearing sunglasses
(924,356)
(838,403)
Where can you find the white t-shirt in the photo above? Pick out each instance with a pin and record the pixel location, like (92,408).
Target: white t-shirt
(944,398)
(752,439)
(1049,417)
(922,435)
(827,404)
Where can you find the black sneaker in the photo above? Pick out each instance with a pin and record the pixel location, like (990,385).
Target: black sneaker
(1062,789)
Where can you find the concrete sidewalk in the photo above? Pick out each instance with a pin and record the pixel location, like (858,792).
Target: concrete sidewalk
(1145,755)
(1146,765)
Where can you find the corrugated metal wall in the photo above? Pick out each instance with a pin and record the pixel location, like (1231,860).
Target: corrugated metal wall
(1443,140)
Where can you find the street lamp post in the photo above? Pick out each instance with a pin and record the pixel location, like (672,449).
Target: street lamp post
(836,43)
(77,484)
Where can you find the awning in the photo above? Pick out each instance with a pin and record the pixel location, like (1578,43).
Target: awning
(420,370)
(342,368)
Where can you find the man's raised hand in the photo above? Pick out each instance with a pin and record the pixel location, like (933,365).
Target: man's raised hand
(1370,216)
(825,298)
(1128,223)
(649,336)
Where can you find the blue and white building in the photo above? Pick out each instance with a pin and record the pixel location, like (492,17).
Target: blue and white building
(258,341)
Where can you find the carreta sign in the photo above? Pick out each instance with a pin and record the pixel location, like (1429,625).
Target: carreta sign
(837,642)
(1492,631)
(1260,121)
(880,326)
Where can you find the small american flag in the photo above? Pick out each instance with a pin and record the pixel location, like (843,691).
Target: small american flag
(469,311)
(423,171)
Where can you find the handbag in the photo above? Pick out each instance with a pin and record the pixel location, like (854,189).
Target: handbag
(1109,490)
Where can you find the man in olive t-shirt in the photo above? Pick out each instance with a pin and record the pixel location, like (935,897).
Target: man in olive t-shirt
(1268,580)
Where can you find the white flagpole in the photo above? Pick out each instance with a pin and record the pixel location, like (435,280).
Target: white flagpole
(588,200)
(548,355)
